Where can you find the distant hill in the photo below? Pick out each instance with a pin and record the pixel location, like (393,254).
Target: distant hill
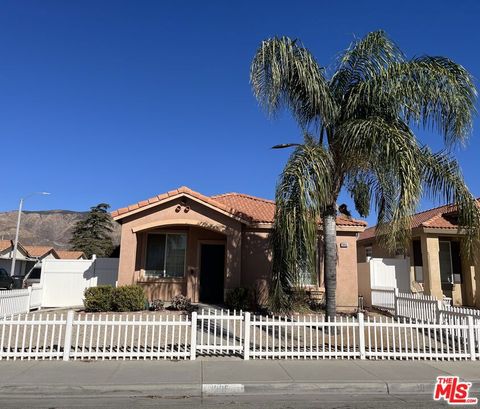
(45,228)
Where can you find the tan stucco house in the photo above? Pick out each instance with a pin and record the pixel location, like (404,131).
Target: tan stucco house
(436,265)
(183,242)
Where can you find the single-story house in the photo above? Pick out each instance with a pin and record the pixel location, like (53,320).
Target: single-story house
(436,264)
(183,242)
(30,257)
(23,259)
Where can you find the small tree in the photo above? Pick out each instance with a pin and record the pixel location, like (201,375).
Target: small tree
(93,235)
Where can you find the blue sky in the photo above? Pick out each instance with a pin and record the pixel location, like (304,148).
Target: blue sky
(116,101)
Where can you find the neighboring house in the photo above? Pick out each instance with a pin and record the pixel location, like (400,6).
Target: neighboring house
(30,257)
(183,242)
(23,259)
(436,265)
(38,253)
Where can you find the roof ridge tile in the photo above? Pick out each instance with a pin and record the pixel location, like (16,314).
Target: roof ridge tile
(245,195)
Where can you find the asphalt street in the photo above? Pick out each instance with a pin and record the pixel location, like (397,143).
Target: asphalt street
(261,402)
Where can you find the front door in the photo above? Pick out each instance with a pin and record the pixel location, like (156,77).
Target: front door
(212,269)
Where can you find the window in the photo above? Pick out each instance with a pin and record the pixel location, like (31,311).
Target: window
(417,253)
(166,255)
(445,258)
(368,252)
(417,260)
(307,278)
(456,262)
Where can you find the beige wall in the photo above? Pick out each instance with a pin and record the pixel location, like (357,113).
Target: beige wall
(257,258)
(256,262)
(347,283)
(364,284)
(377,251)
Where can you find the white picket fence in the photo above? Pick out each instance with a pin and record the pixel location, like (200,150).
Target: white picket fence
(420,307)
(20,301)
(109,336)
(219,332)
(383,298)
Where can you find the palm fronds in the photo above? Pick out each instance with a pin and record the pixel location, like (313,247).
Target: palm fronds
(367,110)
(285,74)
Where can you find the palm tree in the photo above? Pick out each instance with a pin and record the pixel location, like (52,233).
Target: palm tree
(359,125)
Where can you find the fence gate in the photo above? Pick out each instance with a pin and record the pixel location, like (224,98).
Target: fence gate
(219,332)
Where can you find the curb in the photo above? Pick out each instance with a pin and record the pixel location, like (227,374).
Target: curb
(163,390)
(325,388)
(198,389)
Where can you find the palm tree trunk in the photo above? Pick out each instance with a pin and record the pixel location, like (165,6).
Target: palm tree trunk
(330,260)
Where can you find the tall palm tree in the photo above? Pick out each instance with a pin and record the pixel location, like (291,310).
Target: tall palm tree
(361,121)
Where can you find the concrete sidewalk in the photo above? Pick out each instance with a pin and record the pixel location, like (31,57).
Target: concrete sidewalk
(217,377)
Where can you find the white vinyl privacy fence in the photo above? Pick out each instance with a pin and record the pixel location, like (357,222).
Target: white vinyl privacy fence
(64,281)
(62,284)
(383,273)
(221,333)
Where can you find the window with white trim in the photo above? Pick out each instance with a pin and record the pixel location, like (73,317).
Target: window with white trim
(166,254)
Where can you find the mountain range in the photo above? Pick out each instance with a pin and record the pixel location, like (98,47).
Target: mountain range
(45,228)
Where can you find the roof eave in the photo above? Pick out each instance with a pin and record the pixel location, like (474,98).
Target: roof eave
(132,212)
(457,231)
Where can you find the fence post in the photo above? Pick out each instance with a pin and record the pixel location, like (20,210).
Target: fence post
(29,298)
(471,337)
(193,337)
(438,311)
(395,301)
(246,341)
(67,345)
(361,335)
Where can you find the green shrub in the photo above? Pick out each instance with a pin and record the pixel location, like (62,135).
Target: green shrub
(129,298)
(98,299)
(181,303)
(239,299)
(156,305)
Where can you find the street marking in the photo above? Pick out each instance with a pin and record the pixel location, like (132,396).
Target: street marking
(223,388)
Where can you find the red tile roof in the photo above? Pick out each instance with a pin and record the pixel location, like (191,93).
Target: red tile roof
(257,209)
(70,254)
(5,244)
(38,251)
(436,218)
(41,251)
(246,207)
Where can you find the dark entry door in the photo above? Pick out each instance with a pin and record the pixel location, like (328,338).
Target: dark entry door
(212,267)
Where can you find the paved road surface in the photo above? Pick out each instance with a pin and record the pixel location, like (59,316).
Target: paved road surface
(231,402)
